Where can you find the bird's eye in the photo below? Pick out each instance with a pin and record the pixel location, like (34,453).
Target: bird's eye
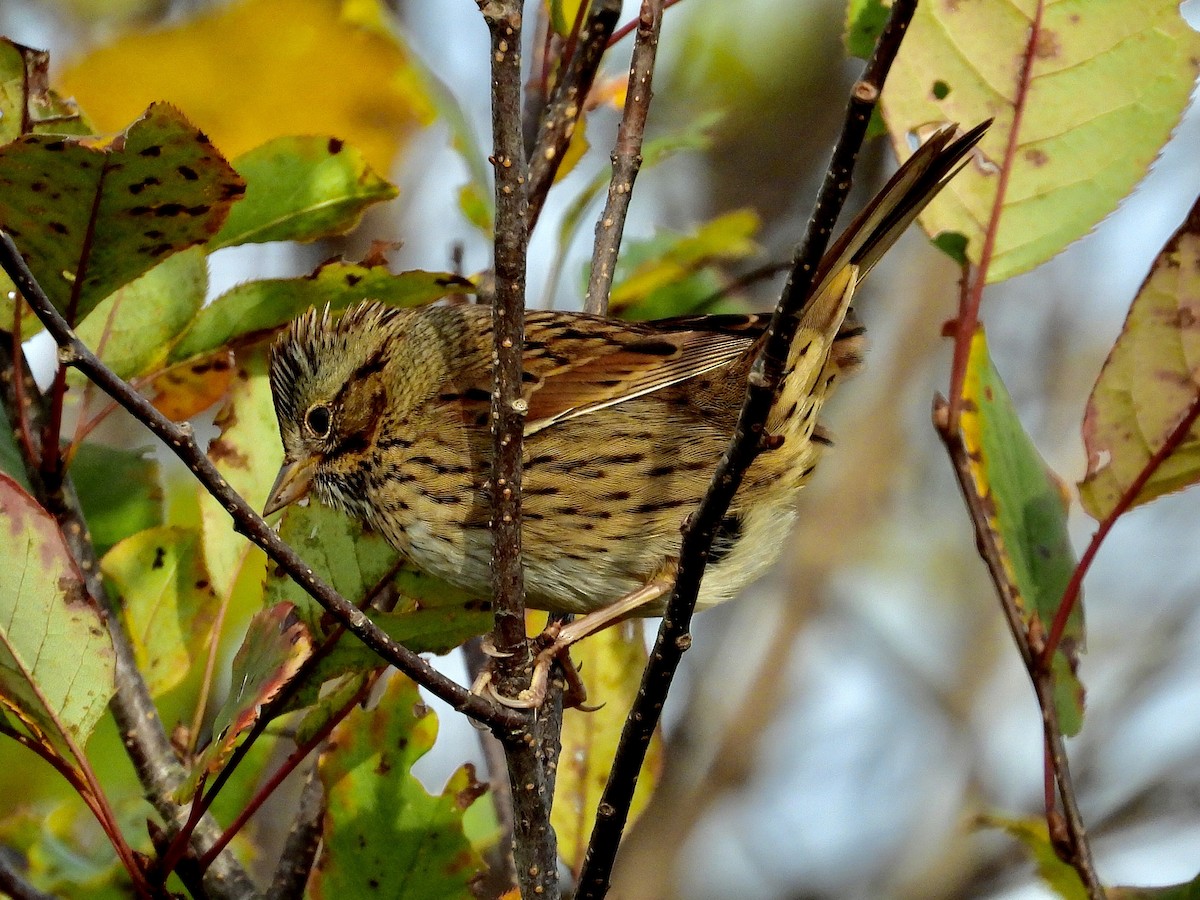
(318,420)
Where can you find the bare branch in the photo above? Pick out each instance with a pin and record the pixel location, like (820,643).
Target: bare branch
(303,840)
(626,158)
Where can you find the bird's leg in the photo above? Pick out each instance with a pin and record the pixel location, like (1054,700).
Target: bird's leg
(558,638)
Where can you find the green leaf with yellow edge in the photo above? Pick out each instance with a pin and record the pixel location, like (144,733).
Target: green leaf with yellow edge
(1148,384)
(56,656)
(729,238)
(89,220)
(167,601)
(384,833)
(275,646)
(257,307)
(1116,73)
(27,105)
(611,662)
(246,456)
(301,189)
(253,70)
(119,491)
(1026,518)
(132,328)
(1057,875)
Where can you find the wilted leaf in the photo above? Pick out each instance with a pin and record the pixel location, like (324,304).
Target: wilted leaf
(383,831)
(89,220)
(1027,518)
(118,490)
(252,70)
(192,386)
(56,655)
(259,306)
(1104,75)
(246,454)
(301,189)
(1058,875)
(275,647)
(611,664)
(1149,383)
(167,600)
(147,315)
(27,105)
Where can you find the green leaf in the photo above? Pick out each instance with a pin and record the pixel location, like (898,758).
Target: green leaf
(133,327)
(658,277)
(1104,75)
(89,220)
(1058,875)
(613,660)
(168,601)
(275,647)
(384,833)
(301,189)
(259,306)
(248,455)
(1027,518)
(11,461)
(119,491)
(1149,382)
(864,23)
(56,656)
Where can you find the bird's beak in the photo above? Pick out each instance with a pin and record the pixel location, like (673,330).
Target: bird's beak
(292,484)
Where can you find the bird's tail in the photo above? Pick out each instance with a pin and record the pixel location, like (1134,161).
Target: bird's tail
(826,342)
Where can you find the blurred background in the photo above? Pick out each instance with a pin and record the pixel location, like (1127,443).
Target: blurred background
(837,732)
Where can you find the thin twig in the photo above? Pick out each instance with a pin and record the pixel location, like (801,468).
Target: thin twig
(303,841)
(627,29)
(1078,851)
(565,105)
(626,158)
(247,521)
(765,379)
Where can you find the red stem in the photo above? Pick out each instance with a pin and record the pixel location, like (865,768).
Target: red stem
(1071,594)
(968,313)
(289,765)
(631,26)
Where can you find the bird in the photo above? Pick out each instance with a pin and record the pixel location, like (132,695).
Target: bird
(384,413)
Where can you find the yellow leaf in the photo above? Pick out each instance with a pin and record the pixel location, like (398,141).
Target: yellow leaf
(257,69)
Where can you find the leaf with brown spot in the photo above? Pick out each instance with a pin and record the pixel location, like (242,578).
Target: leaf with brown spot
(1148,384)
(104,216)
(191,387)
(275,646)
(27,105)
(384,833)
(168,602)
(56,658)
(1103,75)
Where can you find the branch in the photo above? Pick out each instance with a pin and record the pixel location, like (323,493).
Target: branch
(565,106)
(1077,850)
(246,521)
(535,851)
(765,379)
(626,158)
(146,742)
(303,841)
